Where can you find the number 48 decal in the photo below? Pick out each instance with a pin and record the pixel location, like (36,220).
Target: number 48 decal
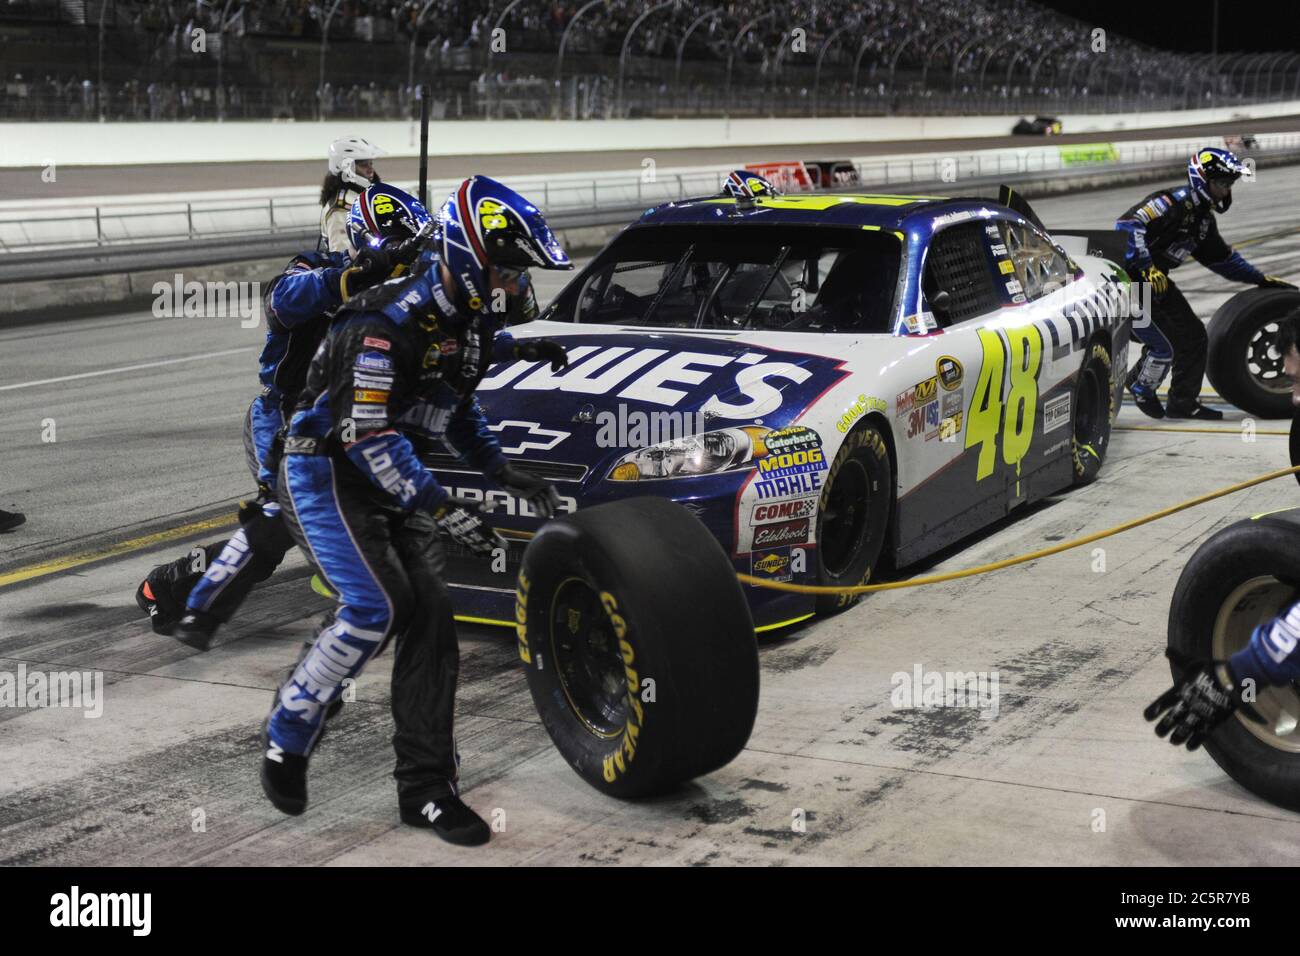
(992,397)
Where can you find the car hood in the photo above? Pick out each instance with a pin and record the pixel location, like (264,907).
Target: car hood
(618,379)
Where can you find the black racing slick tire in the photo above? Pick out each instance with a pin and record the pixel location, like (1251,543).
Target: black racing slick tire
(1244,365)
(1091,414)
(853,515)
(1240,578)
(638,645)
(1295,442)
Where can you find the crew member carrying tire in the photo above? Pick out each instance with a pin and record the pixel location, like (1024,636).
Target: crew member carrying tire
(1164,229)
(1201,700)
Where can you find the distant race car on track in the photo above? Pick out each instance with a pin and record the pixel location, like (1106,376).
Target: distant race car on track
(830,383)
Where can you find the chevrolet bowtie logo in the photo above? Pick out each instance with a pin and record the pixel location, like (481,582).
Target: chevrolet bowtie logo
(527,435)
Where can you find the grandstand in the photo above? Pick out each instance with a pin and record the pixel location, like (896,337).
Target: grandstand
(305,59)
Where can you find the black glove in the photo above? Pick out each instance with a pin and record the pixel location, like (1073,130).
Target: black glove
(463,522)
(369,267)
(542,350)
(1194,706)
(1273,282)
(537,492)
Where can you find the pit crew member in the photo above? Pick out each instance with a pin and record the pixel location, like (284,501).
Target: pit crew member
(397,370)
(1194,706)
(351,171)
(1163,230)
(188,598)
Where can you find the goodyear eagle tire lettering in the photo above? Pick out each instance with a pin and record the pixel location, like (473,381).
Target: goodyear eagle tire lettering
(1242,365)
(1239,578)
(637,644)
(853,515)
(1091,416)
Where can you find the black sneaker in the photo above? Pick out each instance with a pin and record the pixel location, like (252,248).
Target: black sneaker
(197,629)
(284,776)
(1147,402)
(1194,410)
(154,597)
(10,520)
(450,819)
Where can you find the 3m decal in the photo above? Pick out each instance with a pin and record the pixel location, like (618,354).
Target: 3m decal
(1006,396)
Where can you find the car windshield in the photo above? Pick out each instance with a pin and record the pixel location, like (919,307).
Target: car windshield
(734,276)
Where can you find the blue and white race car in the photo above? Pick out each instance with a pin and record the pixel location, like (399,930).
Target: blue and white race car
(832,384)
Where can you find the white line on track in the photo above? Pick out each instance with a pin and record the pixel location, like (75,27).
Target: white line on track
(129,368)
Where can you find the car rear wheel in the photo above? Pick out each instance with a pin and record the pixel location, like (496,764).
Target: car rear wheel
(853,515)
(1240,578)
(1091,415)
(638,645)
(1245,364)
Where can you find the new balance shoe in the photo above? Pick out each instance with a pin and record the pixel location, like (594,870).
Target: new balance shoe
(450,819)
(284,776)
(1146,401)
(155,599)
(1193,410)
(197,629)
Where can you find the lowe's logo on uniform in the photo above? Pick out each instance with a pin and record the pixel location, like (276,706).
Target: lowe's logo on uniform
(731,380)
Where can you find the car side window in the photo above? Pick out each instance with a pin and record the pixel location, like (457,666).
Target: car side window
(958,281)
(1038,266)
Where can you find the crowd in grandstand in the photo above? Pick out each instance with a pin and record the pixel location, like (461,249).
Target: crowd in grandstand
(1004,47)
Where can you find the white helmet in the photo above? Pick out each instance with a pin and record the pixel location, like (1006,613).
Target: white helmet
(344,154)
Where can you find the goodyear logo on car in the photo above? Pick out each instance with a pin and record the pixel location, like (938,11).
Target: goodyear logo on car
(863,405)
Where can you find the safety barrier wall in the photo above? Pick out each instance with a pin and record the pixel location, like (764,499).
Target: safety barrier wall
(39,144)
(570,199)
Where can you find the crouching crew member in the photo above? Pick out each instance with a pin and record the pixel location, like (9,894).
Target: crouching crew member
(397,368)
(1164,229)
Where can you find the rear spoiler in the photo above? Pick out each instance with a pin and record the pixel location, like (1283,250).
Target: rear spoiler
(1104,243)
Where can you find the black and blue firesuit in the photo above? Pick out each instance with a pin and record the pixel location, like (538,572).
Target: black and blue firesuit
(1164,230)
(299,305)
(396,371)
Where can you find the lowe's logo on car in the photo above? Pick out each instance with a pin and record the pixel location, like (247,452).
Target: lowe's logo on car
(754,383)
